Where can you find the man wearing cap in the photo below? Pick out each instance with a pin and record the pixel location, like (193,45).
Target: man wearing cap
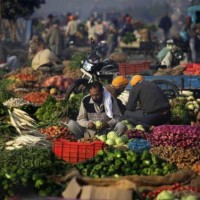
(147,104)
(117,86)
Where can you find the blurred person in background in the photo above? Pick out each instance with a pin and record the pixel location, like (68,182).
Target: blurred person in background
(8,61)
(71,30)
(100,30)
(90,28)
(112,36)
(165,24)
(55,38)
(194,41)
(42,57)
(127,26)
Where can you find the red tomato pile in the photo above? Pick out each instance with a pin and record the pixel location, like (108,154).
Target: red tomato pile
(55,132)
(26,77)
(37,98)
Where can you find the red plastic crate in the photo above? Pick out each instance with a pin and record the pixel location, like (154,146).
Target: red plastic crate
(75,152)
(133,68)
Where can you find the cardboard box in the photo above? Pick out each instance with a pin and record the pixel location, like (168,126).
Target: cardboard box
(123,189)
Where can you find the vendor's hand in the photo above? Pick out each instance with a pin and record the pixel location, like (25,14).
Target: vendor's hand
(91,125)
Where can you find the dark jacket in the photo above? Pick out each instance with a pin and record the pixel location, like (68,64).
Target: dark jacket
(150,96)
(165,23)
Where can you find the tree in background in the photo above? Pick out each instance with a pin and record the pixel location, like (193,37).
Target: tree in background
(13,9)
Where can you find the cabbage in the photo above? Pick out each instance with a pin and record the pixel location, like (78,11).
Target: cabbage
(165,195)
(119,141)
(110,142)
(112,135)
(129,126)
(189,197)
(124,138)
(139,127)
(125,121)
(102,138)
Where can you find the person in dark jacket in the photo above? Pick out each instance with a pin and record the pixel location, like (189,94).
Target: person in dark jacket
(147,104)
(165,24)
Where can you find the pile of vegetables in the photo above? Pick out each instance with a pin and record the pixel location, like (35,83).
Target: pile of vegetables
(172,192)
(183,158)
(176,135)
(50,111)
(184,108)
(7,131)
(128,38)
(5,94)
(77,58)
(27,140)
(60,82)
(15,102)
(37,98)
(55,132)
(112,138)
(134,133)
(119,163)
(30,167)
(25,77)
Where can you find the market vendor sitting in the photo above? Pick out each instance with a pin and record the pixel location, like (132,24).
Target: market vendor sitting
(99,105)
(147,103)
(117,86)
(42,57)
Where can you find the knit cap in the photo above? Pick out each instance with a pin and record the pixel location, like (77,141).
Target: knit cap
(119,81)
(136,79)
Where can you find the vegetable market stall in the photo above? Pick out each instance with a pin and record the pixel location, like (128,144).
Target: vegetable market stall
(148,157)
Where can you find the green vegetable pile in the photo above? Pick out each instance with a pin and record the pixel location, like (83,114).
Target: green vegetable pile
(77,58)
(30,167)
(128,38)
(4,93)
(118,163)
(50,111)
(180,115)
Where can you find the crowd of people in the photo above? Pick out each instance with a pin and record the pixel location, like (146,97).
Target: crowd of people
(59,33)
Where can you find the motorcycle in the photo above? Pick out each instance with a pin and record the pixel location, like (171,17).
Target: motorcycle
(95,67)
